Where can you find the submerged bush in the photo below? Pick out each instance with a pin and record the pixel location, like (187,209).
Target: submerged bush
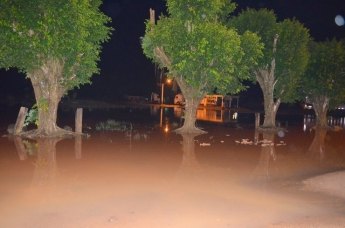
(113,125)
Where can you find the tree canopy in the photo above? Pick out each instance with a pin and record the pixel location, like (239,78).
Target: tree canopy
(325,74)
(35,31)
(202,51)
(290,54)
(57,44)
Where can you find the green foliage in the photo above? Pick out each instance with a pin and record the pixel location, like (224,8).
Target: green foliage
(262,22)
(71,31)
(32,116)
(325,75)
(291,54)
(200,10)
(204,53)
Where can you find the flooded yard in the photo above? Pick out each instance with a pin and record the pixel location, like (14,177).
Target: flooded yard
(139,173)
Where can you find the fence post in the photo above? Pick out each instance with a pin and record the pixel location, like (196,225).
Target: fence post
(257,120)
(18,127)
(79,120)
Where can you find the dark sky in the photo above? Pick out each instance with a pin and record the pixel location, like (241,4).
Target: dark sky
(124,68)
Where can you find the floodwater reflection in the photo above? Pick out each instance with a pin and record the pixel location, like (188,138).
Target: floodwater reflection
(45,165)
(190,166)
(149,177)
(44,152)
(317,147)
(267,156)
(211,114)
(309,122)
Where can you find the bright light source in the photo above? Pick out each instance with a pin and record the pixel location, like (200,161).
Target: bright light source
(339,20)
(169,81)
(166,129)
(234,116)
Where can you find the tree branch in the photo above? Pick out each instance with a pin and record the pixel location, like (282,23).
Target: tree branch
(160,54)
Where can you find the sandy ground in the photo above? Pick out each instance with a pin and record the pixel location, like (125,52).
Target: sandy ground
(331,183)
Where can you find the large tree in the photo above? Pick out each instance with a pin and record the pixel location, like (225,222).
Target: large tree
(199,52)
(285,57)
(56,44)
(324,81)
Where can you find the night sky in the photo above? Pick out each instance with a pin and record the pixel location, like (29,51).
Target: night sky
(126,71)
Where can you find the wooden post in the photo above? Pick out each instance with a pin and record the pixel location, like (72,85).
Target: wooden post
(152,17)
(79,120)
(18,142)
(256,137)
(257,120)
(78,147)
(161,118)
(18,127)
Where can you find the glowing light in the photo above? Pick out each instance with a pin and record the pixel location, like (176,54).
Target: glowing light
(281,134)
(339,20)
(166,129)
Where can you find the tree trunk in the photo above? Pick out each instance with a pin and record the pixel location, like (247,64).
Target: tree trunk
(320,106)
(192,98)
(266,82)
(189,126)
(48,90)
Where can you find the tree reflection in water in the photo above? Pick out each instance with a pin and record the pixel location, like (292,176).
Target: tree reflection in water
(190,167)
(262,170)
(44,149)
(317,147)
(45,164)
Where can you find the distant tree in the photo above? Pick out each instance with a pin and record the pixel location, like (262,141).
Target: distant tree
(56,44)
(199,52)
(324,80)
(284,61)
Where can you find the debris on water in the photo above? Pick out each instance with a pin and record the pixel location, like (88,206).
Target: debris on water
(244,141)
(281,143)
(67,128)
(267,144)
(263,142)
(10,129)
(205,144)
(112,219)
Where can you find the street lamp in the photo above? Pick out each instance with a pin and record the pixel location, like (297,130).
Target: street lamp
(168,81)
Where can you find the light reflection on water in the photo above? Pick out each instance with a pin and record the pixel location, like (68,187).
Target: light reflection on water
(211,115)
(309,122)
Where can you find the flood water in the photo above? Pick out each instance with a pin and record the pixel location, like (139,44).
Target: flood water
(133,171)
